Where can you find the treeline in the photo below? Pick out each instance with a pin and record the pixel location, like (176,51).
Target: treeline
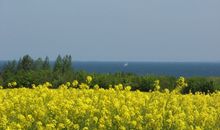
(28,71)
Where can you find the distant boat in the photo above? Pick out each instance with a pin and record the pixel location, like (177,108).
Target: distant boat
(126,64)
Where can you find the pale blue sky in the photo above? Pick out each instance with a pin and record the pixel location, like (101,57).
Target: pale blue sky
(111,30)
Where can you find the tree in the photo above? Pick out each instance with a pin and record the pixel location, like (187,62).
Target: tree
(19,65)
(58,66)
(11,66)
(46,64)
(9,72)
(26,63)
(67,64)
(38,64)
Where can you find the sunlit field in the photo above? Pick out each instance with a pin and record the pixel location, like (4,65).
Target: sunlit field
(75,106)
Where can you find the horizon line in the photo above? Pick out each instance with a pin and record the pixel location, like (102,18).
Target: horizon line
(156,61)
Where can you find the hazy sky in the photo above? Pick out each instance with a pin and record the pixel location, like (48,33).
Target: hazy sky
(111,30)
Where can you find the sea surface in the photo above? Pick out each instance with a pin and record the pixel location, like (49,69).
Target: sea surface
(187,69)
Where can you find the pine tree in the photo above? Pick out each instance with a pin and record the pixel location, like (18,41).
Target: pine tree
(38,64)
(67,64)
(26,63)
(58,66)
(46,64)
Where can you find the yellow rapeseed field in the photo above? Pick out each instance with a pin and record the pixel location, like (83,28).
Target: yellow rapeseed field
(117,108)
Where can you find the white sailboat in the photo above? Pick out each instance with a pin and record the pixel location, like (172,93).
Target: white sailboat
(126,64)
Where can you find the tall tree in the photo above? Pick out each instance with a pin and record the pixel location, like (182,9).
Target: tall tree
(26,63)
(67,64)
(58,66)
(46,64)
(11,66)
(19,65)
(38,64)
(9,72)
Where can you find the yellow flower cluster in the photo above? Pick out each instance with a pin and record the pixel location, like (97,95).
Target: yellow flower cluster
(12,84)
(180,84)
(118,108)
(89,79)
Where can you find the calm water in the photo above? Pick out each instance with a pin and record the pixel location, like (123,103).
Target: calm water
(157,68)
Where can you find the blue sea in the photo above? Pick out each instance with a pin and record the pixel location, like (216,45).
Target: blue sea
(187,69)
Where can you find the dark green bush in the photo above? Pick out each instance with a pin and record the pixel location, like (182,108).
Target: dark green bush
(198,84)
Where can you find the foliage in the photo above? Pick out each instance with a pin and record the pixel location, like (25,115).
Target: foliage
(199,85)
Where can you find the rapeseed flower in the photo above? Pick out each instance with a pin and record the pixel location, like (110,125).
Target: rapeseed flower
(89,79)
(43,108)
